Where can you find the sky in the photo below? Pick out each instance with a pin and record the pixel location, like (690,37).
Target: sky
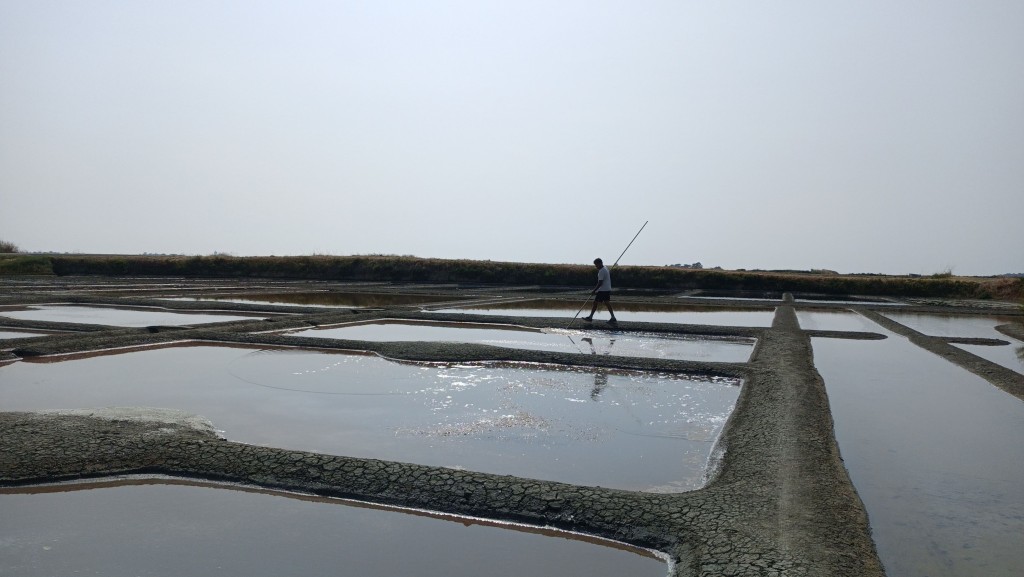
(869,136)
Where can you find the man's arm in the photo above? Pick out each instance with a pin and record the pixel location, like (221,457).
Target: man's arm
(600,281)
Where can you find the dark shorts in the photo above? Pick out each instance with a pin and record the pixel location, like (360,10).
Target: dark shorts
(603,297)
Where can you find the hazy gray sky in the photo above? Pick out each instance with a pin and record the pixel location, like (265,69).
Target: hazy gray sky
(868,136)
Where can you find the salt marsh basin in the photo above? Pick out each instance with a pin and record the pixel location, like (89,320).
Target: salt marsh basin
(593,341)
(776,498)
(628,311)
(620,429)
(116,316)
(329,299)
(145,527)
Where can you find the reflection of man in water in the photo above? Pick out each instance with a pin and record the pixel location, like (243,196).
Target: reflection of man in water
(593,350)
(603,290)
(600,382)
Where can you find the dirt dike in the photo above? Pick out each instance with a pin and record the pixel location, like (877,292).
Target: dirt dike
(779,503)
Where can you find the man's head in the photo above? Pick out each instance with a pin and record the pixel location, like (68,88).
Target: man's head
(598,263)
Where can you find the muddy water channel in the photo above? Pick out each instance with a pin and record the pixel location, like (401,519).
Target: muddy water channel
(136,528)
(934,451)
(626,311)
(118,317)
(627,430)
(591,342)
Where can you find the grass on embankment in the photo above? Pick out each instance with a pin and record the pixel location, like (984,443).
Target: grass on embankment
(11,264)
(412,269)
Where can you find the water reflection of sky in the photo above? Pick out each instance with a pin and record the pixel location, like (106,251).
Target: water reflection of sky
(596,342)
(115,316)
(953,325)
(185,530)
(836,321)
(626,430)
(640,312)
(1011,357)
(934,452)
(18,335)
(330,299)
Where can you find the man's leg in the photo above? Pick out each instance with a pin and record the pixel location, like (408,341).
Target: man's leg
(608,303)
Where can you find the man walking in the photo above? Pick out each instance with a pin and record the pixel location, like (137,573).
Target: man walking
(603,290)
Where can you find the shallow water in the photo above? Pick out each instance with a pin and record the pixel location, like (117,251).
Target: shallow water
(725,294)
(935,454)
(831,301)
(851,299)
(173,529)
(18,335)
(118,317)
(595,342)
(591,427)
(1010,356)
(331,299)
(953,325)
(641,312)
(836,321)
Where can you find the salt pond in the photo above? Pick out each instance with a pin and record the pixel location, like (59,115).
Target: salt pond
(643,312)
(177,529)
(836,321)
(330,299)
(592,427)
(934,452)
(971,326)
(18,335)
(118,317)
(596,342)
(953,325)
(1011,356)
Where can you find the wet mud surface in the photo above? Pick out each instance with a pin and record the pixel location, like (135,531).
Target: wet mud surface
(779,501)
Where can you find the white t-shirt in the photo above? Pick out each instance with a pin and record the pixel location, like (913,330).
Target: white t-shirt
(604,276)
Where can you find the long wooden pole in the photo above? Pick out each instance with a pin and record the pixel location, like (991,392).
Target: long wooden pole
(630,243)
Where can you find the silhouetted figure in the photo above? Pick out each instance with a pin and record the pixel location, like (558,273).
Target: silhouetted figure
(603,291)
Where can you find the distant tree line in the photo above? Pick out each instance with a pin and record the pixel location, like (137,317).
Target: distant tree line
(390,268)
